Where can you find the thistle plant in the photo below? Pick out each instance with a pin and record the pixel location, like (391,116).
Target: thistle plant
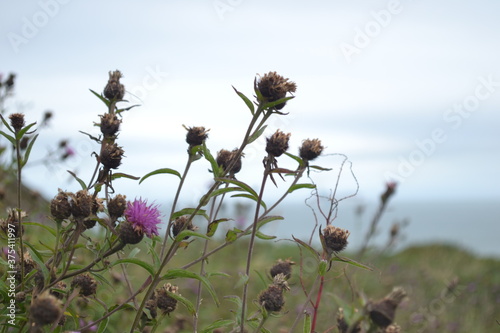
(96,230)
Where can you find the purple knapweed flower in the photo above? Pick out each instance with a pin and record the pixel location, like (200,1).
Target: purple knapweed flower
(143,218)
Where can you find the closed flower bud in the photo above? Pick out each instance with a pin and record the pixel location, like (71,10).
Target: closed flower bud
(17,121)
(114,90)
(390,188)
(86,283)
(335,239)
(196,135)
(382,312)
(274,87)
(60,208)
(128,234)
(277,144)
(81,204)
(117,206)
(310,149)
(61,286)
(225,159)
(45,309)
(180,225)
(272,298)
(111,156)
(110,124)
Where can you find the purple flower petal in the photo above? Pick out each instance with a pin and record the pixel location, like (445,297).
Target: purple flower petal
(143,217)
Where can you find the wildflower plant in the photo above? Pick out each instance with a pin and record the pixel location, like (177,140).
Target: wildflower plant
(63,282)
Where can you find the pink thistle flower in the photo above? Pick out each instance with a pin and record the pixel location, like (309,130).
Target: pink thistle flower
(143,218)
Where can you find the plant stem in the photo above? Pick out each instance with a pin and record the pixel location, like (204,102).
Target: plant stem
(316,305)
(19,214)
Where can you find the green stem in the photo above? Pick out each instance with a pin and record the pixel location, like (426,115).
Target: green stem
(19,214)
(316,305)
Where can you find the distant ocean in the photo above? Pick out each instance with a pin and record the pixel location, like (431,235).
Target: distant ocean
(472,225)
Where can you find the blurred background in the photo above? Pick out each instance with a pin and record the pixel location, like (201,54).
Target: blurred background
(408,91)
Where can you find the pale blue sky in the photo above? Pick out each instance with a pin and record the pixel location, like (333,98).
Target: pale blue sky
(377,81)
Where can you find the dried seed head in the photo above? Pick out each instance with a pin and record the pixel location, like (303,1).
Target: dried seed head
(310,149)
(196,135)
(335,239)
(110,124)
(277,144)
(151,306)
(180,225)
(274,87)
(114,89)
(11,226)
(225,159)
(272,298)
(81,204)
(282,267)
(128,234)
(89,223)
(17,121)
(86,283)
(111,156)
(59,285)
(117,206)
(60,208)
(382,312)
(164,301)
(45,309)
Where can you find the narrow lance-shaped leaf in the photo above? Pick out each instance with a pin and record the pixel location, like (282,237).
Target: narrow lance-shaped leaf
(137,262)
(190,211)
(188,233)
(257,134)
(182,273)
(23,131)
(6,124)
(299,186)
(82,184)
(246,100)
(350,262)
(28,151)
(104,100)
(184,301)
(296,158)
(218,324)
(160,171)
(277,102)
(249,196)
(123,175)
(307,247)
(216,169)
(8,137)
(212,226)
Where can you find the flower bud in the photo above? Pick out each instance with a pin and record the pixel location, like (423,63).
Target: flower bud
(335,239)
(272,298)
(196,136)
(86,283)
(282,267)
(81,204)
(128,234)
(382,313)
(60,208)
(110,124)
(17,121)
(180,225)
(274,87)
(111,156)
(164,301)
(46,309)
(117,206)
(114,90)
(225,159)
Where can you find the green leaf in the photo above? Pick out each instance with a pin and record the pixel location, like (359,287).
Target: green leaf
(126,109)
(212,226)
(188,233)
(23,131)
(184,301)
(283,170)
(296,158)
(82,184)
(317,167)
(299,186)
(239,183)
(279,101)
(307,323)
(216,169)
(256,134)
(161,171)
(190,211)
(6,124)
(250,196)
(9,137)
(307,247)
(37,257)
(256,90)
(260,235)
(218,324)
(135,261)
(46,227)
(104,100)
(231,236)
(103,325)
(350,262)
(182,273)
(266,219)
(28,151)
(123,175)
(219,192)
(246,100)
(322,268)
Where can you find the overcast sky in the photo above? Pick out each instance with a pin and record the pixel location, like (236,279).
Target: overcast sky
(408,90)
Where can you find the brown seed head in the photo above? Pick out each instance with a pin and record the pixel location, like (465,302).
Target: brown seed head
(382,312)
(343,325)
(111,156)
(110,124)
(61,286)
(17,121)
(60,208)
(282,267)
(310,149)
(272,298)
(117,206)
(277,144)
(114,90)
(81,204)
(128,234)
(180,225)
(196,135)
(11,224)
(274,87)
(45,309)
(335,239)
(86,283)
(225,159)
(164,301)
